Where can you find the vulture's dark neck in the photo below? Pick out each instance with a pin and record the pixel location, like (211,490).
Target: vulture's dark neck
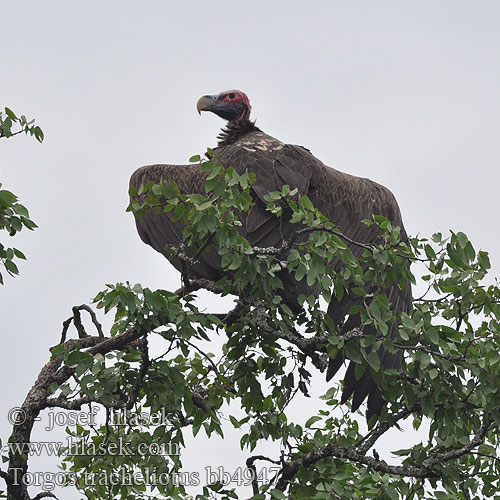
(234,130)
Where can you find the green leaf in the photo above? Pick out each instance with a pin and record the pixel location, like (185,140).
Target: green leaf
(11,267)
(38,134)
(58,349)
(300,272)
(352,352)
(277,494)
(156,189)
(493,357)
(21,210)
(7,198)
(462,239)
(373,361)
(306,202)
(19,254)
(391,492)
(312,420)
(429,252)
(10,114)
(433,335)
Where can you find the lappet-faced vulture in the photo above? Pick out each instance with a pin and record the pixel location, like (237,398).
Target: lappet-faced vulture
(345,199)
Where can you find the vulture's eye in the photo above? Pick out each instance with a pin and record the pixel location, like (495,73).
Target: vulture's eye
(231,96)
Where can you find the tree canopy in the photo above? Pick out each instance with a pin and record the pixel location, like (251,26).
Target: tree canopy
(270,356)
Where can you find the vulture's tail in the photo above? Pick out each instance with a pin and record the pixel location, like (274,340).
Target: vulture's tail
(365,386)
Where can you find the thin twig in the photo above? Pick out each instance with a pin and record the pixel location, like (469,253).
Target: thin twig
(369,440)
(65,329)
(93,316)
(12,134)
(44,494)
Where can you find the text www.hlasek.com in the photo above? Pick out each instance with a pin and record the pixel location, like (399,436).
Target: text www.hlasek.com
(80,448)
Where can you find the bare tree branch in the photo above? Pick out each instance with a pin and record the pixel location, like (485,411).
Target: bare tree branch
(459,452)
(290,469)
(350,453)
(145,362)
(4,476)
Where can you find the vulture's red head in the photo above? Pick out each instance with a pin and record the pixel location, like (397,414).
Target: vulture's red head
(231,105)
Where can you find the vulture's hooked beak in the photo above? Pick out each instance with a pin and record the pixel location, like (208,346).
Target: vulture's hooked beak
(205,103)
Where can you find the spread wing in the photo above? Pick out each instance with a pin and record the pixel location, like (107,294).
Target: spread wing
(157,229)
(346,200)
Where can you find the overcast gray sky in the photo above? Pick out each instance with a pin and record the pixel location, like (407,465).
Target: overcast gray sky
(403,92)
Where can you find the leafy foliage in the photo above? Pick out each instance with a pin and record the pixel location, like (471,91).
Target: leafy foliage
(8,120)
(271,354)
(13,215)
